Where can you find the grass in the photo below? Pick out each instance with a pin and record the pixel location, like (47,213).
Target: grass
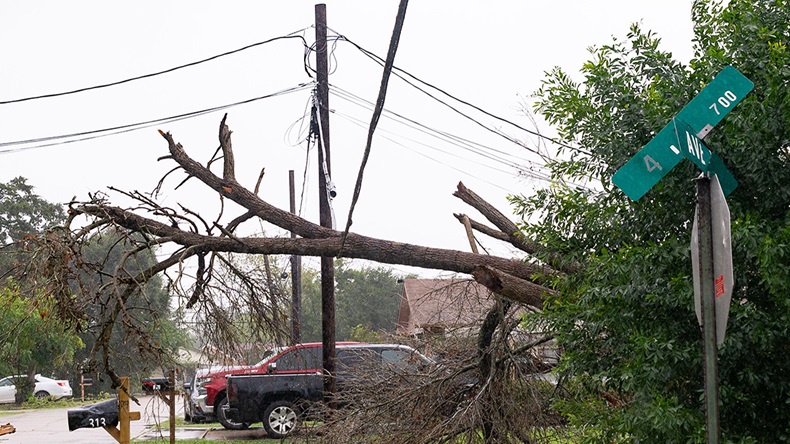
(182,424)
(35,404)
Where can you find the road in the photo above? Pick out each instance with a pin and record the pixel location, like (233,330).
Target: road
(51,425)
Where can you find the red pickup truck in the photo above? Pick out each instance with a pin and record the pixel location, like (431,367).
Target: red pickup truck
(208,401)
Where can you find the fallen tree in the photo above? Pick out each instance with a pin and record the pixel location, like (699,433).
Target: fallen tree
(148,224)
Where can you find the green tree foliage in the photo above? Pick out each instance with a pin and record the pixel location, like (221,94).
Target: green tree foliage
(632,342)
(32,339)
(33,336)
(366,300)
(146,334)
(22,214)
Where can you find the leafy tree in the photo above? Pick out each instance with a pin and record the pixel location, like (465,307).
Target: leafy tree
(366,299)
(32,339)
(35,338)
(22,214)
(632,342)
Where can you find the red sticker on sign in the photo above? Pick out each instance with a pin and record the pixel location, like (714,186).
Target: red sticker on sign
(719,282)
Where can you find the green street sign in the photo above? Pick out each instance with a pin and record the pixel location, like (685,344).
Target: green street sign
(715,101)
(676,141)
(726,179)
(708,161)
(694,148)
(682,138)
(650,164)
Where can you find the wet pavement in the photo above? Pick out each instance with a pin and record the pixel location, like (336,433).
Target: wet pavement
(46,426)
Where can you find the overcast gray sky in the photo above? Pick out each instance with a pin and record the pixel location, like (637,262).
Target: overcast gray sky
(490,54)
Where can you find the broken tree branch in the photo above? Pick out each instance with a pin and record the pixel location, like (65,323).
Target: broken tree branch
(510,229)
(511,287)
(477,226)
(357,246)
(229,166)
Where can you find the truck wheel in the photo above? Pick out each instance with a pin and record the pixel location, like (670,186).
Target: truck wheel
(225,421)
(280,419)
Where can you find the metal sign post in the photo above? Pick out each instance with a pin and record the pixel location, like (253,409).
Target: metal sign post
(708,300)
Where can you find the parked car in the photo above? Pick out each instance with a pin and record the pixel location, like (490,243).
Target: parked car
(294,378)
(207,400)
(194,396)
(153,385)
(45,388)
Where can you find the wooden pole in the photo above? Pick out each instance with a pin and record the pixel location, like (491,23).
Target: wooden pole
(123,412)
(171,378)
(324,171)
(296,276)
(122,433)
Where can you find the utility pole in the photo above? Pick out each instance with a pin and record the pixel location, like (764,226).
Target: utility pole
(325,171)
(296,277)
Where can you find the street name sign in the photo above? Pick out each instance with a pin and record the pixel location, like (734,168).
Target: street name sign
(681,137)
(651,163)
(715,101)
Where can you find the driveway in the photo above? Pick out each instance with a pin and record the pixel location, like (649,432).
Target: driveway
(51,425)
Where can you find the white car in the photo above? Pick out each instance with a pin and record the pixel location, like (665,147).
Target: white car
(45,388)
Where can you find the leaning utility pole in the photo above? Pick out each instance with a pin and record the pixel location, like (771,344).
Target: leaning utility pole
(296,276)
(324,172)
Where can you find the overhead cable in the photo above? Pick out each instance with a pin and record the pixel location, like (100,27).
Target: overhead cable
(379,108)
(461,142)
(399,71)
(292,35)
(533,170)
(362,124)
(94,134)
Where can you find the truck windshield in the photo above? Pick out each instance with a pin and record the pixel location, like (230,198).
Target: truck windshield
(269,354)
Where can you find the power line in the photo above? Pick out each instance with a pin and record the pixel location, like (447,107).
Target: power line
(292,35)
(342,93)
(94,134)
(465,144)
(399,71)
(362,124)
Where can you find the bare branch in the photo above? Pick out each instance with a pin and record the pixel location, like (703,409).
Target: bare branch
(477,226)
(229,166)
(510,229)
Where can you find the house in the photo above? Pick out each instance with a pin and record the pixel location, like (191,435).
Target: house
(456,308)
(442,307)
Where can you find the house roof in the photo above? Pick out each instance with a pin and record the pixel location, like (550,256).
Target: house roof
(441,303)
